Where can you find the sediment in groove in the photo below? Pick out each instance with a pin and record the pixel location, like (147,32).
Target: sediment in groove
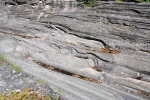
(68,73)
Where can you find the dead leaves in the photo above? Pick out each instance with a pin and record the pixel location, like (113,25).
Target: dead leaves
(106,50)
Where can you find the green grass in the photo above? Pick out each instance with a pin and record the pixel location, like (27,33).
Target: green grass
(89,3)
(27,94)
(133,26)
(136,0)
(16,68)
(59,90)
(143,0)
(43,82)
(54,97)
(3,58)
(118,0)
(147,0)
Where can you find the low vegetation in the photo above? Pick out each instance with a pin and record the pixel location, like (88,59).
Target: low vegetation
(59,90)
(143,0)
(3,58)
(132,1)
(90,3)
(43,82)
(27,94)
(16,68)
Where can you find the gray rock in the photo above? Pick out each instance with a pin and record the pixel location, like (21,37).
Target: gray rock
(21,81)
(109,43)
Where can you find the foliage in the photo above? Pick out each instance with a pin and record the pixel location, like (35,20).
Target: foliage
(59,90)
(133,0)
(54,97)
(143,0)
(118,0)
(133,26)
(3,58)
(147,0)
(27,94)
(89,3)
(16,68)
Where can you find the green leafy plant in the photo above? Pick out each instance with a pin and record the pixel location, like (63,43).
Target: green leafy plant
(43,82)
(16,68)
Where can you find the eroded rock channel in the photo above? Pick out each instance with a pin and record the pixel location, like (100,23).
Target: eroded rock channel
(99,53)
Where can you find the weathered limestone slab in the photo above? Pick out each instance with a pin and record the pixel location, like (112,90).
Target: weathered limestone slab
(109,43)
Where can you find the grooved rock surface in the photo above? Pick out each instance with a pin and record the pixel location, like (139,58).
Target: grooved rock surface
(11,80)
(108,44)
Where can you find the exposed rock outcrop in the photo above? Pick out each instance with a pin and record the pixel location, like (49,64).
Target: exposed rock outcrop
(109,43)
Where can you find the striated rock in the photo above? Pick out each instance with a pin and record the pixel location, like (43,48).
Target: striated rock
(16,81)
(108,45)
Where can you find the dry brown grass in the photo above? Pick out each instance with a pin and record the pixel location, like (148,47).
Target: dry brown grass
(105,50)
(27,94)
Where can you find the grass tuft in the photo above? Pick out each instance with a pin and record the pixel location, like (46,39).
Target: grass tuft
(16,68)
(54,97)
(88,3)
(143,0)
(59,90)
(43,82)
(118,0)
(3,58)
